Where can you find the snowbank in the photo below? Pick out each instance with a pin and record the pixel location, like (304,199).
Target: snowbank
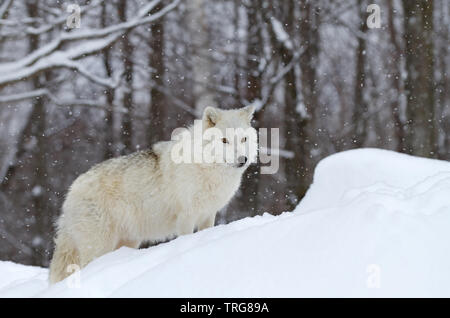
(374,223)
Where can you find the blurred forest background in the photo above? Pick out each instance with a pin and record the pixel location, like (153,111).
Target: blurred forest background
(136,69)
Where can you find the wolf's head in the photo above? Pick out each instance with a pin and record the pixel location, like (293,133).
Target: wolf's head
(230,136)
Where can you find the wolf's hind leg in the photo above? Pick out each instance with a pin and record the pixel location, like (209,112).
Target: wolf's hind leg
(207,222)
(94,242)
(185,226)
(128,243)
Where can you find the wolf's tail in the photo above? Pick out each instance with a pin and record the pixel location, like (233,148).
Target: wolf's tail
(65,258)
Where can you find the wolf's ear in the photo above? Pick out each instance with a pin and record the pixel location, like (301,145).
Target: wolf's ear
(210,116)
(248,112)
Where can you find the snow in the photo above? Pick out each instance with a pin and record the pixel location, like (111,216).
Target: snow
(18,280)
(374,223)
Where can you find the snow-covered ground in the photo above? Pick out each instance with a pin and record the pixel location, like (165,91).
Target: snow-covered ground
(374,223)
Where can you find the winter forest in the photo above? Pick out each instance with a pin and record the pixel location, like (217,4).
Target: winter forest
(73,95)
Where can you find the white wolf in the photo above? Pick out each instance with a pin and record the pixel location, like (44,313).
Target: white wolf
(147,196)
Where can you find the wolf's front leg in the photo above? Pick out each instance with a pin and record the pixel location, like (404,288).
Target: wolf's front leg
(207,222)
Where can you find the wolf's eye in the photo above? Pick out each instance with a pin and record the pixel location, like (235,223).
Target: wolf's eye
(225,140)
(244,139)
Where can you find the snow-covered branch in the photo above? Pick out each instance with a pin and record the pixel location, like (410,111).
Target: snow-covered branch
(21,96)
(60,102)
(4,8)
(52,55)
(280,34)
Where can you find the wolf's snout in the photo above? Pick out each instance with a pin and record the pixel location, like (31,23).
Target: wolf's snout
(242,160)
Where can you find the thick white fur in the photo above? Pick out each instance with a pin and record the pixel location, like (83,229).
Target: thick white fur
(145,196)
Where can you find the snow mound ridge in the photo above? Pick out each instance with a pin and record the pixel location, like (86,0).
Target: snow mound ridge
(373,224)
(422,198)
(344,176)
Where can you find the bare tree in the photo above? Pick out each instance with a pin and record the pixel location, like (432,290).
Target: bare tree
(127,56)
(359,118)
(300,106)
(397,51)
(252,94)
(158,106)
(110,93)
(201,66)
(419,85)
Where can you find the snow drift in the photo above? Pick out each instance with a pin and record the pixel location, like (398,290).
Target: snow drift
(373,224)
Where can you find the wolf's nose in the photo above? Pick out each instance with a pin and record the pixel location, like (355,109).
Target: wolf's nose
(242,160)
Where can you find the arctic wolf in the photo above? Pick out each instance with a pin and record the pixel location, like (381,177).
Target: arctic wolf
(150,196)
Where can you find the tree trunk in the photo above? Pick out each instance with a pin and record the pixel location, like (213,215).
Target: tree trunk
(109,115)
(127,55)
(299,122)
(37,157)
(359,119)
(236,60)
(421,123)
(251,177)
(158,129)
(202,67)
(397,79)
(443,102)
